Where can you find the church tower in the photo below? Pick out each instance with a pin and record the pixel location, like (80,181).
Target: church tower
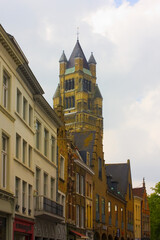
(78,92)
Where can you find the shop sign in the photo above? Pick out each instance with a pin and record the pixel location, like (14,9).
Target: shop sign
(22,226)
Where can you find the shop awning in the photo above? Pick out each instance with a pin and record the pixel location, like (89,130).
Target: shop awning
(80,235)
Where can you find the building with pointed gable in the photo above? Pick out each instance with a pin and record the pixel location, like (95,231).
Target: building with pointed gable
(144,225)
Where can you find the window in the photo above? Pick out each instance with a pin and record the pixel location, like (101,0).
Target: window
(46,142)
(97,203)
(19,99)
(4,160)
(18,146)
(77,215)
(109,208)
(45,184)
(77,182)
(82,185)
(122,215)
(29,156)
(24,108)
(38,128)
(82,217)
(70,102)
(30,115)
(97,208)
(69,84)
(37,180)
(6,80)
(116,215)
(24,151)
(61,167)
(100,167)
(63,203)
(53,149)
(103,206)
(52,188)
(17,185)
(29,198)
(24,196)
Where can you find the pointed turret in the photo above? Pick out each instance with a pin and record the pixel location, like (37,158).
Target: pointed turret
(63,58)
(92,65)
(92,59)
(63,63)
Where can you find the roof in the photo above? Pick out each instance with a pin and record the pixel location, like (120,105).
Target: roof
(97,93)
(92,59)
(77,52)
(138,192)
(63,57)
(116,170)
(85,143)
(57,92)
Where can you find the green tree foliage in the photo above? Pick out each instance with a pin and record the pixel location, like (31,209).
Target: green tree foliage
(154,205)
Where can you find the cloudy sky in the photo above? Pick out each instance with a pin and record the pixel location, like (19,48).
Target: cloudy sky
(124,36)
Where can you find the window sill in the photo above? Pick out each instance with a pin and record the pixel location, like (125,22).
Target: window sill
(7,113)
(30,128)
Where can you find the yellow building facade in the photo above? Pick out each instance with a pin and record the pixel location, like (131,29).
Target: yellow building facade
(137,217)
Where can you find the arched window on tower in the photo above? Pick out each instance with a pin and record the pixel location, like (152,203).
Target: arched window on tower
(66,102)
(70,87)
(69,103)
(72,83)
(73,101)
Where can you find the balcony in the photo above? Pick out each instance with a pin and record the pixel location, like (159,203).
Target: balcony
(46,208)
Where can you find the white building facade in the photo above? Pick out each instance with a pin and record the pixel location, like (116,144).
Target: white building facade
(28,143)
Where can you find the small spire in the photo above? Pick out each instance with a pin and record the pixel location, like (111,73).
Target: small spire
(63,57)
(92,59)
(77,33)
(143,182)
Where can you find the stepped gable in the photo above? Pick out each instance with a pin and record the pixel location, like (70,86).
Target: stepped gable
(116,170)
(77,52)
(85,142)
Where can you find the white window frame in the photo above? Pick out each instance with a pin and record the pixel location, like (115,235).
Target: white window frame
(30,116)
(24,157)
(82,185)
(46,141)
(19,99)
(77,215)
(17,192)
(52,188)
(77,182)
(18,146)
(4,160)
(38,134)
(45,184)
(25,103)
(53,149)
(82,217)
(24,189)
(6,90)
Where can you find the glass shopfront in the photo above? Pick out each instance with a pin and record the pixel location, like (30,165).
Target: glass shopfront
(2,228)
